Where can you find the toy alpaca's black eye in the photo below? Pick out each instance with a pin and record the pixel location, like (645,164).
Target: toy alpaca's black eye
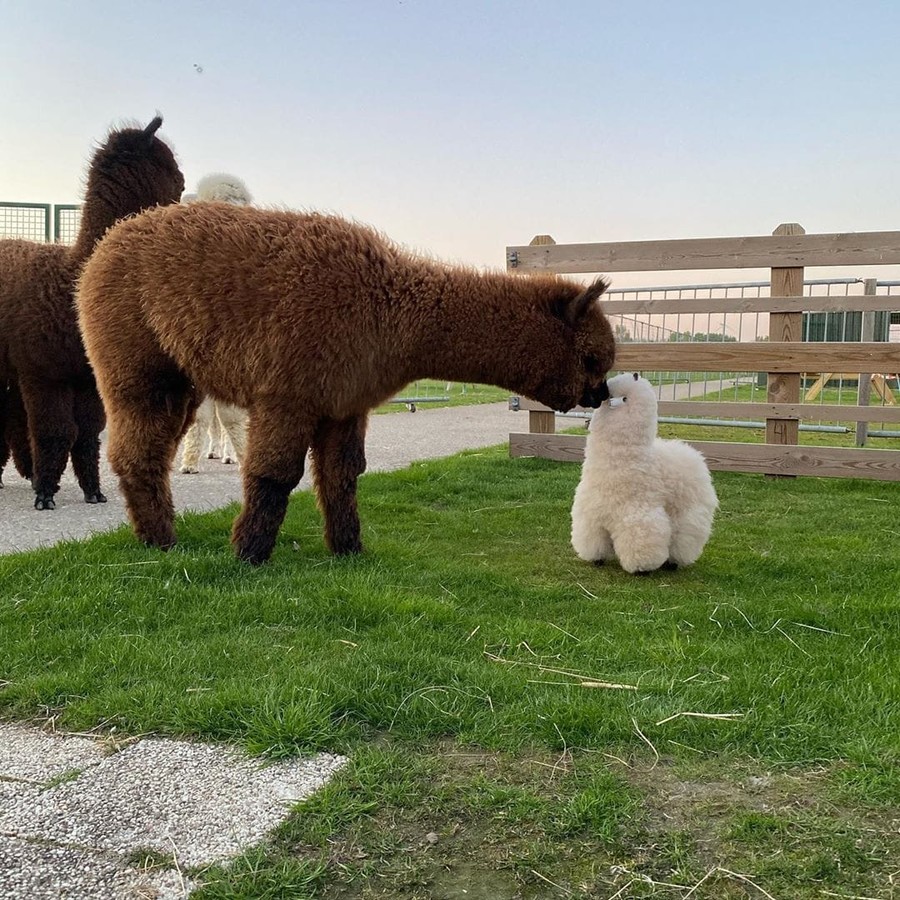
(624,399)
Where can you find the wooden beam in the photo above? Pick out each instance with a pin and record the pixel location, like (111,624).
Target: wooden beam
(758,356)
(784,387)
(540,422)
(864,385)
(764,459)
(729,305)
(786,251)
(733,409)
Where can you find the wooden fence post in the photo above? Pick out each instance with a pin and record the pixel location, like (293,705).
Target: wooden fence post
(864,387)
(785,387)
(541,421)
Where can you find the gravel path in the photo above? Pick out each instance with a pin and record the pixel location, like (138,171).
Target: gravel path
(394,441)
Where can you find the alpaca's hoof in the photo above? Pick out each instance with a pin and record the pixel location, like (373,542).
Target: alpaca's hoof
(227,461)
(44,501)
(345,545)
(599,562)
(254,553)
(212,455)
(163,541)
(669,565)
(190,470)
(96,497)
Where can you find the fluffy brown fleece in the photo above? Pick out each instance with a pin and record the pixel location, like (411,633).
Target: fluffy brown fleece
(45,378)
(308,321)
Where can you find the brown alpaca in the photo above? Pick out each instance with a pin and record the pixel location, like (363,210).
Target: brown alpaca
(41,355)
(307,321)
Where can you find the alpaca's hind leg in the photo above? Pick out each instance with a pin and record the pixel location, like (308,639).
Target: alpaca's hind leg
(147,418)
(233,430)
(213,430)
(90,419)
(690,532)
(17,433)
(190,454)
(51,421)
(272,468)
(339,458)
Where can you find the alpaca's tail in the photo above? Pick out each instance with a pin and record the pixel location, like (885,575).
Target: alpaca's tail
(222,187)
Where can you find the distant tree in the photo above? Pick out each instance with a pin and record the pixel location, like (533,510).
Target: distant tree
(701,336)
(623,335)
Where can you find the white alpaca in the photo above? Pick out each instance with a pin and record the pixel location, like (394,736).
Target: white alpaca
(650,502)
(224,425)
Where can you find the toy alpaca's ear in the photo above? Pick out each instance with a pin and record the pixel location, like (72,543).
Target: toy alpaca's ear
(635,375)
(573,311)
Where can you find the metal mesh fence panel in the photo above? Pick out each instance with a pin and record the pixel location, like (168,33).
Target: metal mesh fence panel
(29,221)
(66,221)
(816,388)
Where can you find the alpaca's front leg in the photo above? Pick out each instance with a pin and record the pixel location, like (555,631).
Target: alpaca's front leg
(591,539)
(339,458)
(90,419)
(276,453)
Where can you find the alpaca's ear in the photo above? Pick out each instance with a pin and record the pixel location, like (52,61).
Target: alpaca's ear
(573,311)
(153,127)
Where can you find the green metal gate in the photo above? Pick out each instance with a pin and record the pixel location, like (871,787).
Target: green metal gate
(42,222)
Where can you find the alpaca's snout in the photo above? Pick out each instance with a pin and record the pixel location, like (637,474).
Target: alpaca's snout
(594,396)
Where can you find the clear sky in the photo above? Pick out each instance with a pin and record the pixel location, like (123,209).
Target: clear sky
(458,127)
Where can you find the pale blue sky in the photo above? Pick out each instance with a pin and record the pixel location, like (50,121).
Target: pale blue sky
(460,127)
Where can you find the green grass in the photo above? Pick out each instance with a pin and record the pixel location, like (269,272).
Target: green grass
(431,394)
(469,624)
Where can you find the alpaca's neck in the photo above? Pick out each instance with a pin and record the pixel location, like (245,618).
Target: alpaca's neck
(97,215)
(466,325)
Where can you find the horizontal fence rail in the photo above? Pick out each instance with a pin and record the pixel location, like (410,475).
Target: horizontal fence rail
(706,305)
(872,248)
(785,356)
(802,346)
(810,412)
(724,456)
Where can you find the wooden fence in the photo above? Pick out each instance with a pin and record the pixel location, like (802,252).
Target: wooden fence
(784,356)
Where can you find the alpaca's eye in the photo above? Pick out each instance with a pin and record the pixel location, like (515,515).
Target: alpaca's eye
(624,399)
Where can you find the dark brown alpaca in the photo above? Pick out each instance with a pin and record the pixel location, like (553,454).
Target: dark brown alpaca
(42,359)
(307,321)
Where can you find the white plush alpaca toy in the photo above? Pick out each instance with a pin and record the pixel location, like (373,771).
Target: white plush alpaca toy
(224,425)
(648,501)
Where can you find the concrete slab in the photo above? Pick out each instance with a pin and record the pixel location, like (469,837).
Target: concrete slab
(39,871)
(199,802)
(27,754)
(14,791)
